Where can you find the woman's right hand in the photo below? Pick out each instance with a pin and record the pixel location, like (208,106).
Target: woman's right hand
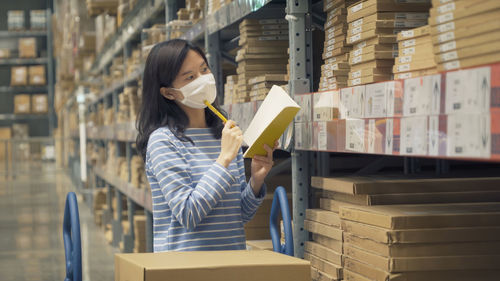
(232,138)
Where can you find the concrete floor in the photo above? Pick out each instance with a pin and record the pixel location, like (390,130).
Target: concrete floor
(31,214)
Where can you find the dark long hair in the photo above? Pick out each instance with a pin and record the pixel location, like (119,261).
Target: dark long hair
(162,66)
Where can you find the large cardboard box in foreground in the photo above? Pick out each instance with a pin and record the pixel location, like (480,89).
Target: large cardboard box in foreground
(211,266)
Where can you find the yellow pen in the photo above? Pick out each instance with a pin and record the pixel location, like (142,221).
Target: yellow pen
(216,112)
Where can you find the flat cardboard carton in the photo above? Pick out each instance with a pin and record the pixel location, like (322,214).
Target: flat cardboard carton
(471,8)
(373,64)
(37,75)
(374,48)
(27,47)
(412,236)
(414,33)
(323,229)
(210,265)
(332,244)
(466,42)
(259,245)
(39,103)
(368,80)
(367,57)
(4,53)
(322,265)
(369,72)
(370,7)
(467,52)
(370,34)
(423,250)
(19,76)
(440,38)
(469,62)
(22,104)
(323,252)
(318,275)
(417,73)
(323,216)
(413,65)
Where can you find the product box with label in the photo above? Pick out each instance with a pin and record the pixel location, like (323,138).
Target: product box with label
(15,20)
(19,76)
(370,7)
(326,105)
(375,135)
(211,265)
(4,53)
(22,104)
(355,135)
(422,95)
(352,102)
(27,47)
(39,103)
(329,135)
(383,99)
(305,102)
(468,91)
(37,75)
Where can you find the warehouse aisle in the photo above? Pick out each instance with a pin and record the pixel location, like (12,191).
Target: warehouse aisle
(31,214)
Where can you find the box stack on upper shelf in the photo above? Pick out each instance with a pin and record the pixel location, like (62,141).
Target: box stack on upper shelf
(263,48)
(230,89)
(96,7)
(261,85)
(416,56)
(373,26)
(193,11)
(465,33)
(335,70)
(450,235)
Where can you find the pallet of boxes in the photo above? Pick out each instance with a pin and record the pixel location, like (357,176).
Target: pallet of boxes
(263,52)
(383,229)
(465,33)
(372,30)
(335,70)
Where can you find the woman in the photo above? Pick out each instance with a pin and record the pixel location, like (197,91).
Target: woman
(194,163)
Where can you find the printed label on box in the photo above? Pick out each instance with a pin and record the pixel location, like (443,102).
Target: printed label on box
(352,102)
(422,95)
(357,59)
(405,59)
(444,18)
(446,8)
(355,135)
(357,23)
(403,67)
(469,135)
(433,135)
(357,30)
(322,136)
(449,56)
(409,43)
(446,27)
(376,100)
(446,36)
(414,135)
(409,51)
(357,8)
(448,46)
(360,45)
(358,52)
(451,65)
(468,91)
(356,74)
(355,38)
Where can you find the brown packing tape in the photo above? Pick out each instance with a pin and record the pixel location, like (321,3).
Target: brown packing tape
(323,253)
(324,266)
(332,244)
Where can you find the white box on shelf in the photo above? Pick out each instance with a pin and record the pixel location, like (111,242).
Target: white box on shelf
(326,105)
(469,135)
(305,103)
(414,135)
(468,91)
(422,96)
(355,135)
(352,102)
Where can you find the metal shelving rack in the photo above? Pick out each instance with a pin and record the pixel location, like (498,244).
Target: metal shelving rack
(48,62)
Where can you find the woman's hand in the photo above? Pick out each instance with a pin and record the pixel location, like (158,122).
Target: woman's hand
(231,141)
(261,165)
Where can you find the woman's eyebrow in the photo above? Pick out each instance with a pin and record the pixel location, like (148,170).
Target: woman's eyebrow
(187,72)
(203,63)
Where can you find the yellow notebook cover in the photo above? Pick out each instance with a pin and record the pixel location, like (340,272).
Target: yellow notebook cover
(274,115)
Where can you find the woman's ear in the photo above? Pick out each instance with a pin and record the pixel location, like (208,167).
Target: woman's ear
(167,93)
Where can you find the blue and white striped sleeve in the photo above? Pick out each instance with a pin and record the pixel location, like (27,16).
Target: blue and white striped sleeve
(249,202)
(189,203)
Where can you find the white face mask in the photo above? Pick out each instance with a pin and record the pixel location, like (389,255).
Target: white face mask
(200,90)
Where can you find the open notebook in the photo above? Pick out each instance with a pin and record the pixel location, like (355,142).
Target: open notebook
(273,117)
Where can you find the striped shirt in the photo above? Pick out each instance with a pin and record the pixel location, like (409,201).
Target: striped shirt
(198,205)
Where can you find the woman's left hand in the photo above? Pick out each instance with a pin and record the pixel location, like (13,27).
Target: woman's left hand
(261,165)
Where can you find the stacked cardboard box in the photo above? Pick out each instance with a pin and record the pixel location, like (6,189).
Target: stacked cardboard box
(336,52)
(27,47)
(230,89)
(5,146)
(4,53)
(372,30)
(140,234)
(19,76)
(15,20)
(375,245)
(39,103)
(261,85)
(38,19)
(37,75)
(134,103)
(258,227)
(416,56)
(465,33)
(136,169)
(96,7)
(22,104)
(109,115)
(123,114)
(177,28)
(263,48)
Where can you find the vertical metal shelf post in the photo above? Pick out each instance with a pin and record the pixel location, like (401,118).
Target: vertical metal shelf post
(300,75)
(50,73)
(212,45)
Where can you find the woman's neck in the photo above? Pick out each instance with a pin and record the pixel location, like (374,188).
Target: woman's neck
(196,117)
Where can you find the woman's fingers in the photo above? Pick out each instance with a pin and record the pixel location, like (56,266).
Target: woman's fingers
(229,124)
(269,151)
(263,159)
(276,144)
(263,162)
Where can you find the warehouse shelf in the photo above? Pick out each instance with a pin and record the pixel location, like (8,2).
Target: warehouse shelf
(20,117)
(196,32)
(141,197)
(23,89)
(26,33)
(23,61)
(125,132)
(131,26)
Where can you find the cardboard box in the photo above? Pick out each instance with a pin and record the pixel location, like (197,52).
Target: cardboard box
(381,39)
(466,42)
(469,135)
(425,216)
(466,52)
(421,236)
(332,244)
(385,185)
(409,264)
(414,135)
(384,99)
(369,72)
(369,79)
(258,245)
(22,104)
(39,103)
(323,253)
(410,65)
(468,9)
(210,265)
(326,105)
(469,62)
(422,96)
(4,53)
(27,47)
(366,57)
(355,135)
(423,250)
(465,32)
(15,20)
(37,75)
(322,265)
(323,216)
(369,7)
(414,33)
(352,103)
(323,229)
(19,76)
(416,73)
(318,275)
